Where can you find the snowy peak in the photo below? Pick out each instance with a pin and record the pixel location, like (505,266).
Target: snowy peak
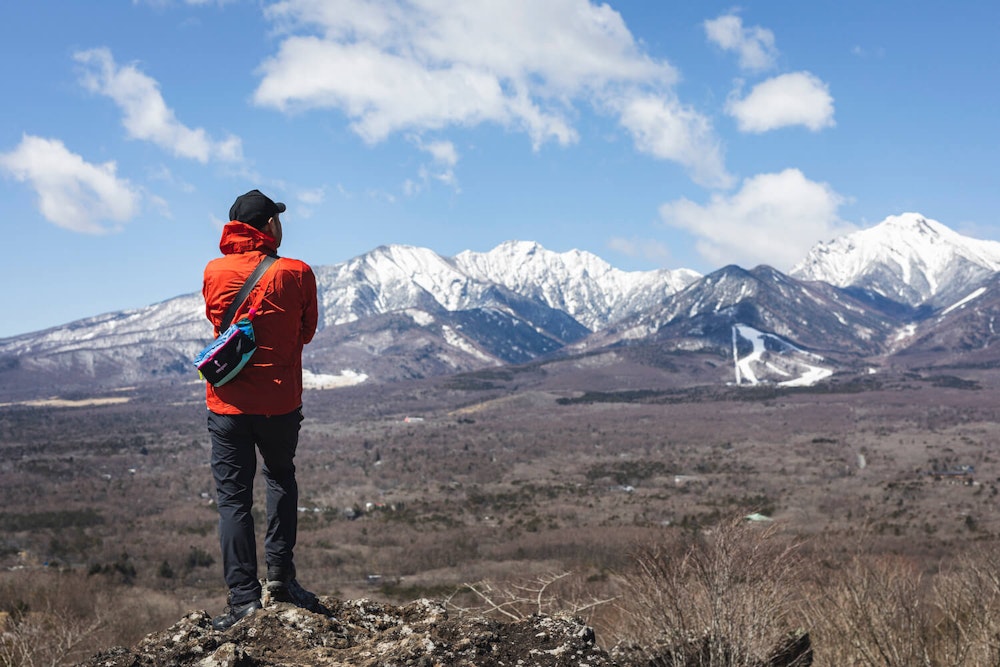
(909,285)
(814,315)
(908,258)
(577,282)
(391,278)
(397,277)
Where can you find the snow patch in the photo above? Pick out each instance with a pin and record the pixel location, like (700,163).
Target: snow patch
(977,293)
(346,378)
(744,367)
(812,375)
(906,332)
(420,317)
(455,339)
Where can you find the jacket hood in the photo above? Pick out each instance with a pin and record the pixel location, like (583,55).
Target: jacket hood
(239,237)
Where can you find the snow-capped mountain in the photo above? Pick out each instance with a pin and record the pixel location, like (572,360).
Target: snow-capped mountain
(581,284)
(969,328)
(906,286)
(395,312)
(774,327)
(816,315)
(907,258)
(127,346)
(588,289)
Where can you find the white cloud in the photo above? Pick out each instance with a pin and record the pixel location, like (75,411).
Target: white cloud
(306,202)
(444,157)
(798,98)
(312,197)
(773,219)
(755,46)
(667,130)
(443,152)
(72,193)
(392,66)
(146,114)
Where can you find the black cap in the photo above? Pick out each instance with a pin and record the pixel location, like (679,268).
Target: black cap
(255,209)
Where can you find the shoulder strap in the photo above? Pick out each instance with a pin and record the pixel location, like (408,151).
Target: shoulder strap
(244,292)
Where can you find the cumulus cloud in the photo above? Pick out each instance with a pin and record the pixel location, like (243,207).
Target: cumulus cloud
(667,130)
(755,46)
(392,66)
(146,114)
(773,219)
(798,98)
(72,193)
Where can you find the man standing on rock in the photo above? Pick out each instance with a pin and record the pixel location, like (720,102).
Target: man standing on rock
(261,407)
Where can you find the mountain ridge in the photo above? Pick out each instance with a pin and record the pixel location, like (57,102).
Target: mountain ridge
(907,257)
(401,312)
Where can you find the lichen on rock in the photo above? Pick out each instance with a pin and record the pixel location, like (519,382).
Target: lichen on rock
(364,633)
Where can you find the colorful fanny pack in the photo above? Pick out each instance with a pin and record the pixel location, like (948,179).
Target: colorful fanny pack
(225,357)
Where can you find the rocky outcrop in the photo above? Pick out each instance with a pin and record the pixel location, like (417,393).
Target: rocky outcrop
(363,633)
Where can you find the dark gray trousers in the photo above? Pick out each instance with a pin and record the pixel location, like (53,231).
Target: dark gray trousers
(234,464)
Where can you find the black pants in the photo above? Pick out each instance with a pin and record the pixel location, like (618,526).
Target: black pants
(234,463)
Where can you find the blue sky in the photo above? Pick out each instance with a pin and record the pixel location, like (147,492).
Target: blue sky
(652,133)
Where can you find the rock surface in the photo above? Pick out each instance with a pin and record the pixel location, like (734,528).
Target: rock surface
(363,633)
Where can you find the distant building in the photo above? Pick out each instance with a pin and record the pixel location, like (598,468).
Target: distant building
(962,473)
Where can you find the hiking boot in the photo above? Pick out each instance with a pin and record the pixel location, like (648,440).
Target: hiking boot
(281,586)
(234,613)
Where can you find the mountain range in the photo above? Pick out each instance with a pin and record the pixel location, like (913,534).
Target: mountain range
(908,288)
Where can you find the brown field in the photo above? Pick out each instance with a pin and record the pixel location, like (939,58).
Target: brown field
(415,490)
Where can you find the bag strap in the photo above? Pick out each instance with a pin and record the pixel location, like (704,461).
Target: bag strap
(244,292)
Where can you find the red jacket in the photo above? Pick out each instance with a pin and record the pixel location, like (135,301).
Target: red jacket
(285,298)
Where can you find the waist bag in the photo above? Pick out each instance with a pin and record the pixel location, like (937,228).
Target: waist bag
(226,356)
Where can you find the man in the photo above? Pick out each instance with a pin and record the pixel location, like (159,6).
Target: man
(261,407)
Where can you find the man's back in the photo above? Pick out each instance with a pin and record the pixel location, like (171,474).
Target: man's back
(285,320)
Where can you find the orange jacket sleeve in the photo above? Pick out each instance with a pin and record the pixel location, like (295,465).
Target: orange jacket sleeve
(310,309)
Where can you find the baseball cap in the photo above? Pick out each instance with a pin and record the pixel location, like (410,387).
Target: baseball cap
(255,209)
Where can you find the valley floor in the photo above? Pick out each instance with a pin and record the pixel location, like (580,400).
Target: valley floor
(420,490)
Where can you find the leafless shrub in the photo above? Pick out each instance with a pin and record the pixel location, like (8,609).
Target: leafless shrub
(50,636)
(46,620)
(871,612)
(882,611)
(519,600)
(723,599)
(967,599)
(58,618)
